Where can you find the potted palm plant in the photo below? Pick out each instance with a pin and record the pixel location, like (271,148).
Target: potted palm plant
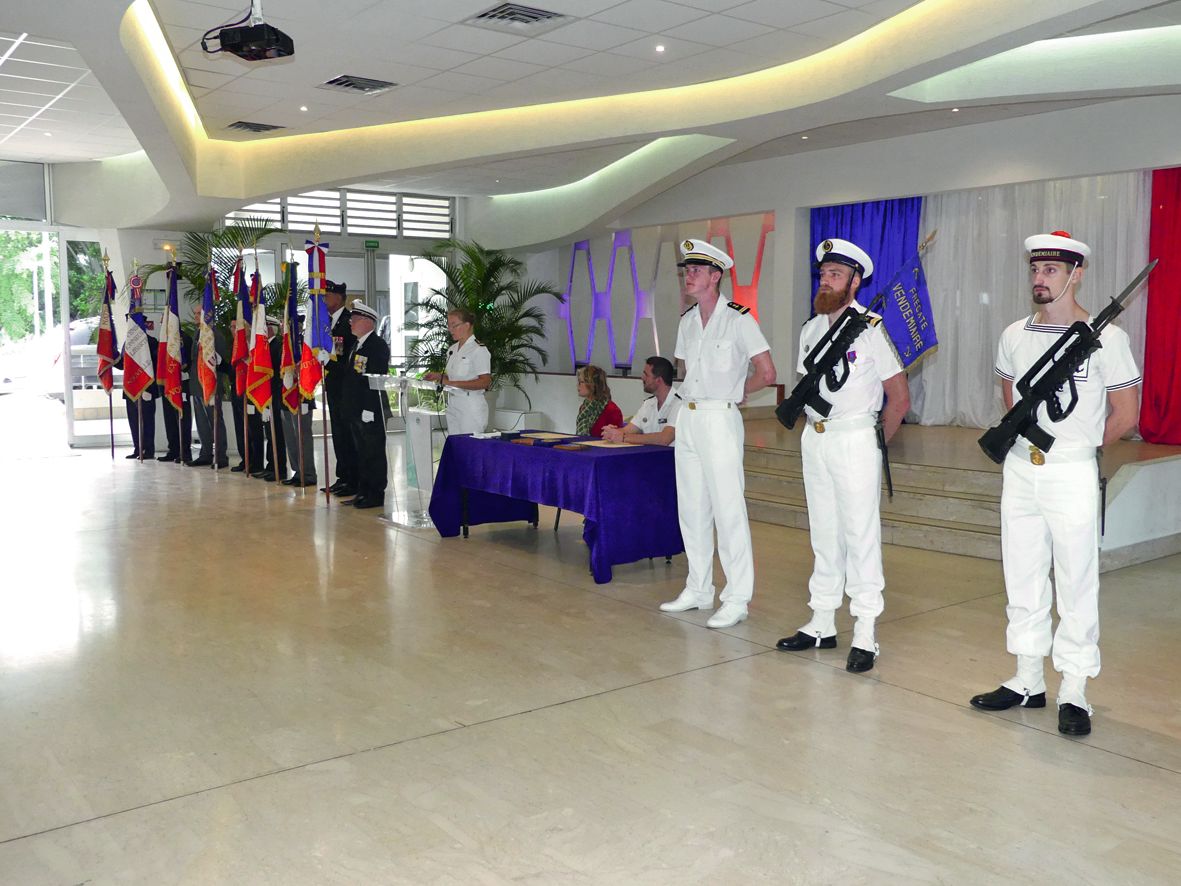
(490,284)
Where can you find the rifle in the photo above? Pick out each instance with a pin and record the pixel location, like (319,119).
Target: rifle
(830,353)
(1053,371)
(833,349)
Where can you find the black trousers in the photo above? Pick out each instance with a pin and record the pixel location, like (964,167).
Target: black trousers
(369,440)
(149,415)
(178,427)
(254,423)
(342,443)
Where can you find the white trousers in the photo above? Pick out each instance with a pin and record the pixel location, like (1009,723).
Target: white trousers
(710,492)
(1050,513)
(467,413)
(842,483)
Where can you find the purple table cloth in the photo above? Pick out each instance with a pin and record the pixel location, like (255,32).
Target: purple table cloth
(628,497)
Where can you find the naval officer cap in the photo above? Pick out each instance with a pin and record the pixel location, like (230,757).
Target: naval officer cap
(845,253)
(359,307)
(1057,246)
(698,252)
(335,288)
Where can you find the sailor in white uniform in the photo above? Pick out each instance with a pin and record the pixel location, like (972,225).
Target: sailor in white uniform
(655,422)
(1050,500)
(468,375)
(843,465)
(717,343)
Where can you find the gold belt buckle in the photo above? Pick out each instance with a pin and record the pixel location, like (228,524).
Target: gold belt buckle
(692,405)
(1036,455)
(818,426)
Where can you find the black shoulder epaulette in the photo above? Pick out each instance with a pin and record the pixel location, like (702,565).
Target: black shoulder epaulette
(688,309)
(742,309)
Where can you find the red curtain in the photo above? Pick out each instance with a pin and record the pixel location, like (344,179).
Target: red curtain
(1160,407)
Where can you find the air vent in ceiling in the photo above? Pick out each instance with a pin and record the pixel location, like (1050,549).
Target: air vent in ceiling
(247,126)
(351,83)
(514,18)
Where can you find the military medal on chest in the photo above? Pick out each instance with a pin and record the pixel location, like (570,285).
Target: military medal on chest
(360,361)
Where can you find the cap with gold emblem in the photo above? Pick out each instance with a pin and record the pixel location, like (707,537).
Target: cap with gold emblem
(359,307)
(1058,246)
(845,253)
(699,252)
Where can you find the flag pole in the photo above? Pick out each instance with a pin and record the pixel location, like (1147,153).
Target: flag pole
(216,380)
(139,403)
(293,290)
(111,320)
(245,399)
(319,306)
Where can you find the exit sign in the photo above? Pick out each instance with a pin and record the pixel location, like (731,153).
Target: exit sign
(371,244)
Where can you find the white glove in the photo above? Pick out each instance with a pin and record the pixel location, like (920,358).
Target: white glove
(266,413)
(303,408)
(250,409)
(323,356)
(366,416)
(146,395)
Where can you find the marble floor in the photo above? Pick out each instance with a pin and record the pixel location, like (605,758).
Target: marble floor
(206,679)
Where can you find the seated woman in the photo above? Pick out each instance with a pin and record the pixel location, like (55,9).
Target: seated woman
(597,411)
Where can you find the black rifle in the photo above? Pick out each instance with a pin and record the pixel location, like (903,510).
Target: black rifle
(1053,371)
(830,353)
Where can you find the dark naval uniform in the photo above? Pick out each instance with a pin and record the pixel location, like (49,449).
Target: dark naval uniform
(366,411)
(335,370)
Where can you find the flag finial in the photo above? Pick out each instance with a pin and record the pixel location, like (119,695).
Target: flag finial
(106,261)
(316,234)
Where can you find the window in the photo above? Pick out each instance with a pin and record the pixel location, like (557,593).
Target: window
(357,213)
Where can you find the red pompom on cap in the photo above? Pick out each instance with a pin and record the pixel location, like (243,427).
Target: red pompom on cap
(1065,234)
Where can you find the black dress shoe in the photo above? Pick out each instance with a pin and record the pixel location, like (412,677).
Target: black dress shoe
(263,475)
(343,492)
(238,468)
(1004,698)
(806,641)
(363,502)
(222,465)
(338,487)
(1073,720)
(860,660)
(133,455)
(167,456)
(290,481)
(200,463)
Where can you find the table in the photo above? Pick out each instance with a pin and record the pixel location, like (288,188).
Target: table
(628,497)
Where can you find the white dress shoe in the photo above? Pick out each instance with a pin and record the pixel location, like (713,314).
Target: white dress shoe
(686,601)
(727,616)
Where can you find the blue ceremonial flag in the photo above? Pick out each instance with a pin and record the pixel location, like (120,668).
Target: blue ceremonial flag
(888,230)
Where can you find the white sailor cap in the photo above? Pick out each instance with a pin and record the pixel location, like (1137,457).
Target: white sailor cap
(1057,246)
(359,307)
(273,321)
(699,252)
(845,253)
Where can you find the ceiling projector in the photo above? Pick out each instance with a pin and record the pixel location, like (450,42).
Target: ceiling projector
(253,42)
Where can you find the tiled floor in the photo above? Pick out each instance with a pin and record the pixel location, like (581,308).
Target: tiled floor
(206,679)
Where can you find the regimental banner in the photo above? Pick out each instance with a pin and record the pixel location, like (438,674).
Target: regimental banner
(243,321)
(206,347)
(168,357)
(259,371)
(108,344)
(137,359)
(291,345)
(907,314)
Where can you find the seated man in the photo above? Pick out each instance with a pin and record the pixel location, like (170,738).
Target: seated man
(655,421)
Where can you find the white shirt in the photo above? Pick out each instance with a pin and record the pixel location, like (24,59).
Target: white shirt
(1110,368)
(717,356)
(871,361)
(652,419)
(467,362)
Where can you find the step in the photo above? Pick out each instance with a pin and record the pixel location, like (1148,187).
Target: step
(968,481)
(939,535)
(908,501)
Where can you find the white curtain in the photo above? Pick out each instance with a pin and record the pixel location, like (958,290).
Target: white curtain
(977,274)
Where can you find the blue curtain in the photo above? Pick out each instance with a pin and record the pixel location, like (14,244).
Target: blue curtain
(888,230)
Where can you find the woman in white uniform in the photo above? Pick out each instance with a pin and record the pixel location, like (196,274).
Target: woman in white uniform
(468,376)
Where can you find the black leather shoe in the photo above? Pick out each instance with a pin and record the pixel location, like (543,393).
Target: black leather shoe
(133,455)
(344,492)
(238,468)
(290,481)
(167,456)
(311,482)
(363,502)
(263,475)
(1004,698)
(222,465)
(1073,720)
(339,487)
(806,641)
(200,463)
(860,660)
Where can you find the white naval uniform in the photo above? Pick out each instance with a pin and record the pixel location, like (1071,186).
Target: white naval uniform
(710,479)
(467,411)
(843,475)
(1050,512)
(652,419)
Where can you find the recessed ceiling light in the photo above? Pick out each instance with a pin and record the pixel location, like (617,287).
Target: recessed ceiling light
(955,110)
(660,47)
(303,107)
(804,137)
(49,134)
